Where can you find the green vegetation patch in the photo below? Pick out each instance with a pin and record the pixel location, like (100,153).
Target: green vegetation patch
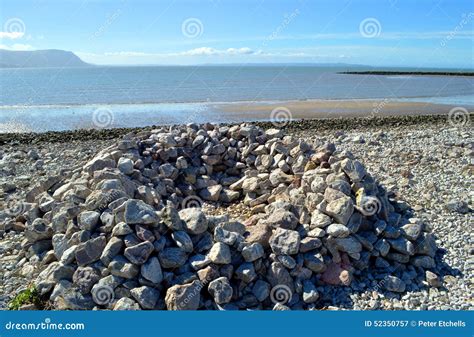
(28,296)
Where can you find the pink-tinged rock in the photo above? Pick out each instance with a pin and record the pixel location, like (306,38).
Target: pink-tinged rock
(338,273)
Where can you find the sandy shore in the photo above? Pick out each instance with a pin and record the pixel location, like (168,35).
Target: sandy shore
(330,109)
(426,161)
(63,118)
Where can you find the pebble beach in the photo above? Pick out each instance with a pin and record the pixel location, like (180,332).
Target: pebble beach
(424,162)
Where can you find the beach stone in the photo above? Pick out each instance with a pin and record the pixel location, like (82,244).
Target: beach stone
(38,230)
(224,236)
(183,241)
(60,244)
(426,245)
(220,253)
(261,290)
(221,290)
(184,297)
(99,162)
(340,209)
(393,283)
(282,219)
(121,229)
(172,257)
(144,234)
(287,261)
(125,165)
(69,255)
(403,246)
(317,233)
(458,206)
(382,246)
(338,230)
(354,169)
(314,262)
(195,222)
(73,300)
(88,220)
(320,220)
(250,184)
(412,231)
(259,233)
(84,279)
(285,242)
(151,270)
(423,261)
(211,193)
(138,212)
(309,243)
(145,296)
(168,171)
(246,272)
(253,252)
(310,293)
(274,133)
(432,279)
(199,261)
(125,304)
(348,245)
(278,176)
(90,251)
(120,266)
(139,254)
(278,275)
(171,218)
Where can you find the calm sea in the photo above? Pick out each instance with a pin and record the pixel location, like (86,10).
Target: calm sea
(57,99)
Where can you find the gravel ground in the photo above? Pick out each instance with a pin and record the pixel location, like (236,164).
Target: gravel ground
(426,161)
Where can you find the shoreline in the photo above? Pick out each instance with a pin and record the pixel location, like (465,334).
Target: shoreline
(68,118)
(349,123)
(414,73)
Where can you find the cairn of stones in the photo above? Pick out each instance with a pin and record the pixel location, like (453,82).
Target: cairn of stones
(127,230)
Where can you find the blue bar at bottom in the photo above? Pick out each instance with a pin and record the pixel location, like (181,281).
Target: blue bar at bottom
(211,323)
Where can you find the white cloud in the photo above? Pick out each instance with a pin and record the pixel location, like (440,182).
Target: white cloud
(11,35)
(212,51)
(17,46)
(201,51)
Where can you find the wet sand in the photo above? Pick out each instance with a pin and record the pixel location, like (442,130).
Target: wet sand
(126,116)
(330,109)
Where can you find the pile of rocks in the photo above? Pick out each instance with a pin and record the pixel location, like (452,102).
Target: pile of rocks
(127,230)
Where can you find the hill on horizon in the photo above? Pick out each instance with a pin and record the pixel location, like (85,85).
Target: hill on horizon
(40,59)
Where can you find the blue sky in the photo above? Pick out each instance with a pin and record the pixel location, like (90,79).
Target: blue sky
(411,33)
